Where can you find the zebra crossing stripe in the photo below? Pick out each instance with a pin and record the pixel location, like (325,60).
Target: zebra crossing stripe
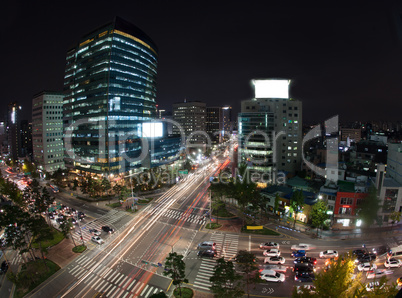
(107,289)
(122,275)
(115,277)
(136,286)
(134,281)
(101,284)
(81,274)
(104,286)
(143,291)
(112,290)
(88,280)
(112,275)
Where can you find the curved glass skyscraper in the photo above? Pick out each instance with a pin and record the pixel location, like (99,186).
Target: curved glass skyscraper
(110,89)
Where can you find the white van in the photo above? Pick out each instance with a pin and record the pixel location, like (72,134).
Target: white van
(396,251)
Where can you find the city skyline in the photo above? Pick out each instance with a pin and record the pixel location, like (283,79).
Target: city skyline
(341,60)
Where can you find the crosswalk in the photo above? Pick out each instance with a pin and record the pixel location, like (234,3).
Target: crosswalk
(109,281)
(226,247)
(108,219)
(177,214)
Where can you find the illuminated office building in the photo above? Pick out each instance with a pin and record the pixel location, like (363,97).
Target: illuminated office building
(272,96)
(110,90)
(13,131)
(47,131)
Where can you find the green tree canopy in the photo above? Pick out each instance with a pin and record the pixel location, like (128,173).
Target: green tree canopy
(296,202)
(368,211)
(175,268)
(248,264)
(225,281)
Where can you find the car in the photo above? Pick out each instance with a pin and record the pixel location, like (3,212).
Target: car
(59,220)
(4,267)
(383,249)
(51,216)
(372,285)
(378,273)
(272,276)
(298,253)
(81,214)
(274,260)
(107,229)
(366,267)
(97,239)
(277,268)
(305,259)
(95,232)
(269,245)
(206,245)
(304,267)
(73,221)
(358,252)
(306,288)
(367,257)
(272,252)
(304,276)
(301,246)
(392,263)
(328,254)
(206,253)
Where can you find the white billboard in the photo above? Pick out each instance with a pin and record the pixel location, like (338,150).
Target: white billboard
(152,130)
(271,88)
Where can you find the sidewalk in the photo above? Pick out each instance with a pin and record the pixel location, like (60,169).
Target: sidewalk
(62,253)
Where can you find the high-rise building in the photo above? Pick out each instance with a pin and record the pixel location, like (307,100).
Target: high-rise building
(47,130)
(191,116)
(272,96)
(26,139)
(214,123)
(227,121)
(13,130)
(255,149)
(110,90)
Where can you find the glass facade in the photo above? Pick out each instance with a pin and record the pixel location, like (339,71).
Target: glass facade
(110,89)
(255,144)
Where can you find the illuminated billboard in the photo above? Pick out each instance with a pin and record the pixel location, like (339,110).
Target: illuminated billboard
(152,130)
(271,88)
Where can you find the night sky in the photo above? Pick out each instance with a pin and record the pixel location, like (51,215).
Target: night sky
(344,60)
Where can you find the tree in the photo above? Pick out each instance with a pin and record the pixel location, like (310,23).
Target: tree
(276,203)
(395,216)
(225,281)
(369,207)
(249,266)
(296,202)
(106,185)
(319,214)
(175,268)
(338,280)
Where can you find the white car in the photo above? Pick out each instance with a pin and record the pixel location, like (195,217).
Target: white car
(276,268)
(392,263)
(272,276)
(366,267)
(274,260)
(328,254)
(269,245)
(301,246)
(378,273)
(374,284)
(95,232)
(97,239)
(310,289)
(272,252)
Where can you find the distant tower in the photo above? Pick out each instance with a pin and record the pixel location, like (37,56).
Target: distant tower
(13,130)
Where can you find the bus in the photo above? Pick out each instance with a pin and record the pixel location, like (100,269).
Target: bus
(54,188)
